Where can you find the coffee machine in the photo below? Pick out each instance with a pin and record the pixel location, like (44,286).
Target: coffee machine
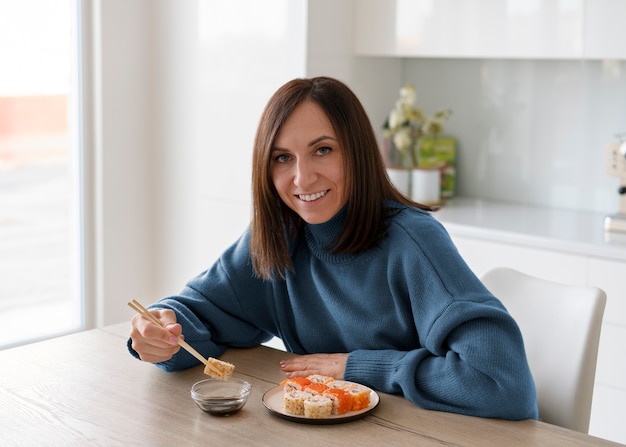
(616,166)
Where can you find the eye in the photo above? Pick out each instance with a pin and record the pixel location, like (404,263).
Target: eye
(281,158)
(324,150)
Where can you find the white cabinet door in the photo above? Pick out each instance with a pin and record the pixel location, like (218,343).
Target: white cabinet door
(482,256)
(470,28)
(605,29)
(611,277)
(608,412)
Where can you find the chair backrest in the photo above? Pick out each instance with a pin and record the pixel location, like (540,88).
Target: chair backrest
(560,324)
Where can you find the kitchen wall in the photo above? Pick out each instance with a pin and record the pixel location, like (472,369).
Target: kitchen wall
(530,131)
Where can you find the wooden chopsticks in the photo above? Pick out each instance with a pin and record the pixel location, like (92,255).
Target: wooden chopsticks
(137,307)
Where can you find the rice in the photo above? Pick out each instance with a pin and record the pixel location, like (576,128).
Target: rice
(318,407)
(341,384)
(318,378)
(219,369)
(293,402)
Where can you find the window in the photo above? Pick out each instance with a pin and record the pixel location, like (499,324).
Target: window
(39,261)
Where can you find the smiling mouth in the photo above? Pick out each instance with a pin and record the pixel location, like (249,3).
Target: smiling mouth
(312,197)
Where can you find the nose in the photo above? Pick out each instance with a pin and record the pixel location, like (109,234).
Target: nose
(305,174)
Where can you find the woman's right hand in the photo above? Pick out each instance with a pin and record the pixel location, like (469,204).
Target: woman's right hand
(153,343)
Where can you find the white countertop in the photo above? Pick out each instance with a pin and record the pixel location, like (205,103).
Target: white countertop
(577,232)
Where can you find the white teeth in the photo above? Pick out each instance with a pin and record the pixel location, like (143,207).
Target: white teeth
(311,197)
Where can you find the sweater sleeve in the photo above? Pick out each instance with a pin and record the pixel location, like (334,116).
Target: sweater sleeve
(210,312)
(470,358)
(473,363)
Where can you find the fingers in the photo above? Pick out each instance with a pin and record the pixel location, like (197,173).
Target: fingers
(153,343)
(166,316)
(332,365)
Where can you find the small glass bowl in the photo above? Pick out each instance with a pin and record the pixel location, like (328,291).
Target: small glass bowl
(221,397)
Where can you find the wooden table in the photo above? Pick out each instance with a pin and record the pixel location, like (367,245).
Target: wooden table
(85,389)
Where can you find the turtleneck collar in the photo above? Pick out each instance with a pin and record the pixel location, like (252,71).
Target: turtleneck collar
(319,237)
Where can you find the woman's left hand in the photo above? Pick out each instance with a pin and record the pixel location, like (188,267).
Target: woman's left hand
(332,365)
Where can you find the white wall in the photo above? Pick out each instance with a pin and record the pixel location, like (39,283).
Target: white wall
(330,53)
(175,219)
(140,111)
(174,91)
(118,169)
(246,50)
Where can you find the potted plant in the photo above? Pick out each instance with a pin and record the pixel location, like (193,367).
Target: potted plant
(402,149)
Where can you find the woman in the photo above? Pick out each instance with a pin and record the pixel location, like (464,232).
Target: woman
(361,281)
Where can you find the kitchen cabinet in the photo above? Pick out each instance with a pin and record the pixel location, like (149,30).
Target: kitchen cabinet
(611,275)
(604,29)
(483,255)
(470,28)
(610,389)
(513,29)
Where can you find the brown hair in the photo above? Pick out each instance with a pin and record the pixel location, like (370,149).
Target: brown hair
(274,223)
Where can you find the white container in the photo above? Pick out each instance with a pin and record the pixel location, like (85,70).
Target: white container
(401,178)
(426,185)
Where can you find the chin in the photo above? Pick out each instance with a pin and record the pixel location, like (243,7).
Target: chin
(315,219)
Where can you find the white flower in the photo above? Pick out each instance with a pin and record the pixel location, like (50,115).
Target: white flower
(402,139)
(396,118)
(408,95)
(434,125)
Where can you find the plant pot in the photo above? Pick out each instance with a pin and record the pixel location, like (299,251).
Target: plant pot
(426,185)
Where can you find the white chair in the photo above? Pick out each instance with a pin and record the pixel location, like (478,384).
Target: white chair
(560,325)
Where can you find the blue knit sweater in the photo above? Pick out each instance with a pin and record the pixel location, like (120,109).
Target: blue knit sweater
(413,317)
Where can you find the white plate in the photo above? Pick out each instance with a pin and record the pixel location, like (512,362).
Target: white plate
(273,401)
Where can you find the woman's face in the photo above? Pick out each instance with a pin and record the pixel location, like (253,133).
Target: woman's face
(307,165)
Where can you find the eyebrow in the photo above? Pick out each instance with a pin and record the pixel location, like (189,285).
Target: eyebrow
(321,138)
(310,144)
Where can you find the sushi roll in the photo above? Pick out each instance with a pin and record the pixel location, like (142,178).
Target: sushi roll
(342,401)
(360,397)
(318,397)
(295,384)
(315,387)
(318,378)
(318,407)
(341,384)
(219,369)
(293,402)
